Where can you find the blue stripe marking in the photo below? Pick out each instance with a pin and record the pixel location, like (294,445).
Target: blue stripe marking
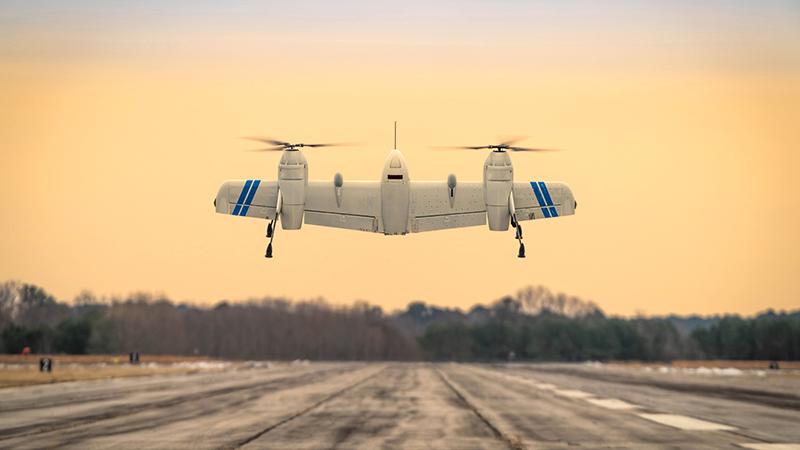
(250,196)
(241,197)
(538,194)
(544,199)
(546,193)
(540,199)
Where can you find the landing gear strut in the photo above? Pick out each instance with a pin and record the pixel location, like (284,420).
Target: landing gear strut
(271,229)
(518,236)
(272,226)
(515,223)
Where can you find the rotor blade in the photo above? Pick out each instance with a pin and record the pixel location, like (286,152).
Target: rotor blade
(331,144)
(270,149)
(530,149)
(267,140)
(459,147)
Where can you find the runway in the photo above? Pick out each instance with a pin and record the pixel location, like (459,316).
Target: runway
(409,405)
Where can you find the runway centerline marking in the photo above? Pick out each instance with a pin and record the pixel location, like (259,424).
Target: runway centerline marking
(573,393)
(686,422)
(612,403)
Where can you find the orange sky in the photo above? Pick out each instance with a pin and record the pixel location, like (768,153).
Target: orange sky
(679,125)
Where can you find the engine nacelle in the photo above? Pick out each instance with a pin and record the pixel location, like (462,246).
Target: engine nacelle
(498,179)
(292,182)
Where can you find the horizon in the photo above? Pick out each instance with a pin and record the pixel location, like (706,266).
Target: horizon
(158,296)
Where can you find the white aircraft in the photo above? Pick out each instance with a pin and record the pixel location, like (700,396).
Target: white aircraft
(394,204)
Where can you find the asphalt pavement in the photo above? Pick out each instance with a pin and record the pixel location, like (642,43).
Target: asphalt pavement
(410,405)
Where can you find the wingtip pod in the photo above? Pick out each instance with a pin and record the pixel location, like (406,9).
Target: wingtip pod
(569,203)
(221,204)
(563,197)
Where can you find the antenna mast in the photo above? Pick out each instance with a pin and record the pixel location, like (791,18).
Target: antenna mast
(395,135)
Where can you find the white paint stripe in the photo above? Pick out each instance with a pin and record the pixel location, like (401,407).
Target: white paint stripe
(612,403)
(529,381)
(686,423)
(571,393)
(777,446)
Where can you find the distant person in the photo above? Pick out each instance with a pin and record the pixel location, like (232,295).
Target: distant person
(26,350)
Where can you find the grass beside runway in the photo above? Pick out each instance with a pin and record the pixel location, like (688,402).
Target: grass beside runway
(23,370)
(716,364)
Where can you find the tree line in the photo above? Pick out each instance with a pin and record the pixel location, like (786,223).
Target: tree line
(256,329)
(536,325)
(548,337)
(532,325)
(769,336)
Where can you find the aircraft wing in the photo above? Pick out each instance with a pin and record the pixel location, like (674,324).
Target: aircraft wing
(435,207)
(542,200)
(248,198)
(354,206)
